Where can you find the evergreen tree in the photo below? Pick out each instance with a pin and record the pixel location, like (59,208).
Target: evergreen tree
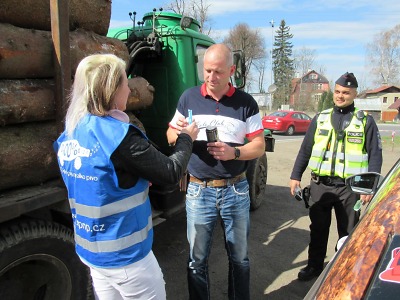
(322,101)
(326,101)
(283,66)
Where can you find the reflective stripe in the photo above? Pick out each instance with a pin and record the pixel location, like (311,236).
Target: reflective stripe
(317,152)
(357,158)
(118,244)
(313,164)
(120,206)
(340,168)
(352,157)
(327,167)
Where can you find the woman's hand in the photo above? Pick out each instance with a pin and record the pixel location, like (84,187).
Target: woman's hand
(191,130)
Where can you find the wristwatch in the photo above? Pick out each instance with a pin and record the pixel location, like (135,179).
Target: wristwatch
(237,153)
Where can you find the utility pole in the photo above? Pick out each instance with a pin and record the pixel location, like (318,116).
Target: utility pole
(272,87)
(272,48)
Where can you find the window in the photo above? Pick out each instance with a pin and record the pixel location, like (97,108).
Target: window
(317,86)
(279,114)
(296,116)
(200,50)
(313,76)
(305,117)
(384,100)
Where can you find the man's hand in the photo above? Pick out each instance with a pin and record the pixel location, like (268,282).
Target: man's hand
(365,198)
(181,123)
(294,184)
(221,151)
(172,133)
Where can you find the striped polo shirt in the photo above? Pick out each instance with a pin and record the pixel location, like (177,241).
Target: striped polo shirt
(236,116)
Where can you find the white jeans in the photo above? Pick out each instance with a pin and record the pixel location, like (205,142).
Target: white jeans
(141,280)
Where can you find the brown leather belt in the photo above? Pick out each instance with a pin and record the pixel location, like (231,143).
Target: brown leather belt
(218,182)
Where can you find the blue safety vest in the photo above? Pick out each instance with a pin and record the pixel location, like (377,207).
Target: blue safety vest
(113,226)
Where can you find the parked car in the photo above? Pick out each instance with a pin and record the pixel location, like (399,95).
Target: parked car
(367,265)
(287,121)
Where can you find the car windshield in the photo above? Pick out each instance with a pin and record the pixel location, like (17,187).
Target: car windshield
(279,114)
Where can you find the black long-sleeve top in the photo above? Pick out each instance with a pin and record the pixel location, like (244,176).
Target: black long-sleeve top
(136,157)
(340,116)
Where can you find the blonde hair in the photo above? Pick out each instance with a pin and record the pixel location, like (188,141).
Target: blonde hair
(97,78)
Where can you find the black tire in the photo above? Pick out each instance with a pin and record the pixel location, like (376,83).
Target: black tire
(38,261)
(256,174)
(290,130)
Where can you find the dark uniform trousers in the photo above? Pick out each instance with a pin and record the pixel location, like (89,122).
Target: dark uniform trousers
(324,197)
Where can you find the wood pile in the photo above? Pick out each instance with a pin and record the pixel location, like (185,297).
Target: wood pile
(27,105)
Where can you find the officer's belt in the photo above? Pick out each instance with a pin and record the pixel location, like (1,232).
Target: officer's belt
(218,182)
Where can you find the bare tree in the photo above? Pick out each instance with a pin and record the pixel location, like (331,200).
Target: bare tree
(383,55)
(197,9)
(303,60)
(260,66)
(321,69)
(251,42)
(177,6)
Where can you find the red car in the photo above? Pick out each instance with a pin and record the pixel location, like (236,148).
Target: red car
(287,121)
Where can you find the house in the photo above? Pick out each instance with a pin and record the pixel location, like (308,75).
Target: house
(383,102)
(307,90)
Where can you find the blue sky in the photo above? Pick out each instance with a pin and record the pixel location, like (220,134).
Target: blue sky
(338,30)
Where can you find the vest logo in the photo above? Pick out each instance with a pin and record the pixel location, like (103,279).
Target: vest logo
(356,134)
(355,140)
(71,150)
(323,132)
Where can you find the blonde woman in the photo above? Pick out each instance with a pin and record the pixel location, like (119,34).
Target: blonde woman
(107,164)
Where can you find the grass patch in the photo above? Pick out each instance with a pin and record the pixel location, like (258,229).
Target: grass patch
(387,141)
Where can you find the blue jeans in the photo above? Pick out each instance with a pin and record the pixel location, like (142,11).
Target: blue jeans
(204,206)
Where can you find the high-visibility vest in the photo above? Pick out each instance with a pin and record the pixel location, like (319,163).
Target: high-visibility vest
(342,153)
(113,226)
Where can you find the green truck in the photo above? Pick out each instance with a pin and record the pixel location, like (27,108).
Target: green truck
(37,254)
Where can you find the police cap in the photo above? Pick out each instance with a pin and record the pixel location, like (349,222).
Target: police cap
(347,80)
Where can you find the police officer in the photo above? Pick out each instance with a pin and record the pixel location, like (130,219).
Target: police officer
(340,142)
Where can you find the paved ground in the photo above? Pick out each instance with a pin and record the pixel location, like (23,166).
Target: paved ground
(278,239)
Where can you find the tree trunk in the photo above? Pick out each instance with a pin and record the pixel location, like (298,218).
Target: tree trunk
(26,101)
(27,53)
(91,15)
(26,154)
(142,94)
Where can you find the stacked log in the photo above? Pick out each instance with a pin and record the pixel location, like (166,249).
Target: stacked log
(27,105)
(26,154)
(90,15)
(28,53)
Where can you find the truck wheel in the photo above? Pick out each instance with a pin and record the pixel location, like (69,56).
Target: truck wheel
(38,261)
(256,174)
